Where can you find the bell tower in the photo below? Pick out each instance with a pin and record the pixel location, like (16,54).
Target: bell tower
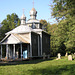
(33,22)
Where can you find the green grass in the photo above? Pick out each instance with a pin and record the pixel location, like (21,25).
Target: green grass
(39,67)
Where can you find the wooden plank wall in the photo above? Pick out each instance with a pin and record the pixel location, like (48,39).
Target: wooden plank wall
(45,43)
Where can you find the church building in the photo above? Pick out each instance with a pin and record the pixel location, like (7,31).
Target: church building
(26,41)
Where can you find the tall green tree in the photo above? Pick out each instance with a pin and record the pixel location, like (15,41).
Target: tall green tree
(64,12)
(66,34)
(62,9)
(8,24)
(55,45)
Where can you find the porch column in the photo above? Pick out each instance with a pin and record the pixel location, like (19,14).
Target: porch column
(7,51)
(1,51)
(14,51)
(21,50)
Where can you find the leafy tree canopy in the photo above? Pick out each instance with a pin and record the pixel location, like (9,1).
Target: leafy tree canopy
(9,23)
(44,24)
(64,34)
(63,9)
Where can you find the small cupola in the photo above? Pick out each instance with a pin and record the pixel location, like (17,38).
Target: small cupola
(23,19)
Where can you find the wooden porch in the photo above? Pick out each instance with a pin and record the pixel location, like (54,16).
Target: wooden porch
(14,52)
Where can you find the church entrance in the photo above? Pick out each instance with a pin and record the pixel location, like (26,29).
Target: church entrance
(25,54)
(24,51)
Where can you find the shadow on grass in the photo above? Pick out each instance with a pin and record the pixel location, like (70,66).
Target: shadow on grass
(33,61)
(55,70)
(23,62)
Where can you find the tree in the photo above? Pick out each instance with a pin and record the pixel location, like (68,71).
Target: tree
(64,12)
(53,39)
(8,24)
(44,24)
(62,9)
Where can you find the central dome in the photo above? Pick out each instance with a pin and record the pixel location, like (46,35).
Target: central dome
(33,11)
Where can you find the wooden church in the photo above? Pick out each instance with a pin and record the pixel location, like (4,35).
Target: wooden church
(26,41)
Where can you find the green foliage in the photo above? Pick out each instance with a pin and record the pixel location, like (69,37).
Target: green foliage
(55,45)
(66,33)
(63,9)
(52,31)
(44,24)
(39,67)
(63,38)
(8,24)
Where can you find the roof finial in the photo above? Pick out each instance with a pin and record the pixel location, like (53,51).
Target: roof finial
(23,10)
(33,3)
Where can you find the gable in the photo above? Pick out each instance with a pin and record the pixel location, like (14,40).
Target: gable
(23,37)
(11,39)
(15,39)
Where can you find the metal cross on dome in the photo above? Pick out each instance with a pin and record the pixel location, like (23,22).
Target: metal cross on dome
(33,3)
(23,10)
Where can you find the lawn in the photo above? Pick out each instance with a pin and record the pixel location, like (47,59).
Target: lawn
(39,67)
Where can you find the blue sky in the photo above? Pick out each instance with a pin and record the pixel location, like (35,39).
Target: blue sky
(16,6)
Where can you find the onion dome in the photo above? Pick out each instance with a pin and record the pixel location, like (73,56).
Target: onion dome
(23,19)
(33,13)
